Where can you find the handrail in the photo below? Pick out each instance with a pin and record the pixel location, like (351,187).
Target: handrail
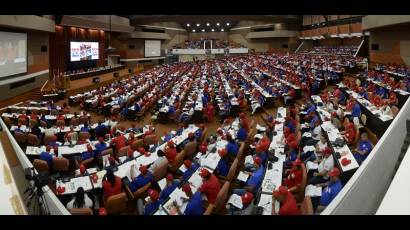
(358,48)
(42,88)
(301,44)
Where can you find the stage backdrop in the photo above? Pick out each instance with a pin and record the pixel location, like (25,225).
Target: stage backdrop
(60,47)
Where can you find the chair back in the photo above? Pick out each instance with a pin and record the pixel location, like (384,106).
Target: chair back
(75,121)
(123,151)
(136,144)
(22,121)
(32,139)
(48,138)
(116,203)
(40,165)
(209,210)
(43,124)
(306,208)
(150,139)
(221,197)
(54,112)
(60,123)
(84,135)
(20,137)
(394,110)
(88,163)
(81,211)
(190,148)
(241,151)
(83,119)
(137,194)
(160,171)
(203,135)
(8,121)
(60,164)
(363,117)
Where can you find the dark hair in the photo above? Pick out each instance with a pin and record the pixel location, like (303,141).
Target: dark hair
(79,198)
(160,153)
(110,177)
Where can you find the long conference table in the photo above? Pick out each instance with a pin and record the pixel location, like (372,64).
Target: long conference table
(331,134)
(376,120)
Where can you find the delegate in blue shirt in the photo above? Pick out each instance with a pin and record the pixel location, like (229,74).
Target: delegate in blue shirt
(99,147)
(45,156)
(241,135)
(151,207)
(140,181)
(330,192)
(256,179)
(365,146)
(87,155)
(356,111)
(100,130)
(194,207)
(232,148)
(223,167)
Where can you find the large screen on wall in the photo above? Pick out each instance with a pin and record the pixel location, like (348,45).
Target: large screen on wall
(83,51)
(152,48)
(13,53)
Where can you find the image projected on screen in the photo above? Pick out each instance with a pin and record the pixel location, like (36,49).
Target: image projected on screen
(13,53)
(152,48)
(83,51)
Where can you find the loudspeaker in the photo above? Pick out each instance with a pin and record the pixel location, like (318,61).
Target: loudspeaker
(116,74)
(43,49)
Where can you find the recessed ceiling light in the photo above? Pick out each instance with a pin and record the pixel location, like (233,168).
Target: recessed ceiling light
(193,31)
(198,24)
(207,24)
(188,25)
(217,23)
(222,30)
(203,30)
(213,30)
(227,24)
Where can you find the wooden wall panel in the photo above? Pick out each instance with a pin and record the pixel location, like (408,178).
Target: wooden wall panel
(333,30)
(356,28)
(344,29)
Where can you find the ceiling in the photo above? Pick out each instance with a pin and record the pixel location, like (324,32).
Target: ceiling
(210,22)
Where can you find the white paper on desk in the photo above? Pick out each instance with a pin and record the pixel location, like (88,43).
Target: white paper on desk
(309,148)
(243,176)
(183,168)
(260,128)
(162,183)
(236,201)
(313,191)
(249,159)
(122,159)
(306,134)
(177,195)
(265,202)
(91,170)
(259,136)
(105,159)
(311,166)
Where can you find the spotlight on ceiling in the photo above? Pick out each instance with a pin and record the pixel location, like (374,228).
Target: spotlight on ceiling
(207,24)
(213,30)
(193,31)
(227,24)
(198,24)
(203,30)
(217,24)
(222,30)
(188,25)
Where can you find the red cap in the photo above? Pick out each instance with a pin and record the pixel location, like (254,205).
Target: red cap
(247,198)
(143,169)
(102,212)
(203,149)
(82,168)
(154,195)
(141,150)
(111,159)
(186,188)
(286,130)
(89,148)
(188,163)
(130,153)
(334,172)
(350,125)
(170,177)
(291,138)
(281,191)
(204,172)
(100,139)
(334,114)
(297,162)
(345,161)
(327,151)
(258,148)
(257,160)
(170,143)
(222,152)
